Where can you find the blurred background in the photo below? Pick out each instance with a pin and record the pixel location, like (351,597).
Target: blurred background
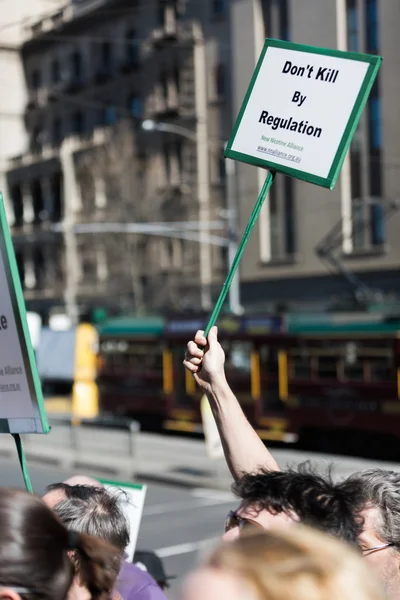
(113,121)
(125,218)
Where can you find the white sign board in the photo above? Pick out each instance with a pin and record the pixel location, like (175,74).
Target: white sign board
(132,507)
(301,110)
(35,328)
(21,401)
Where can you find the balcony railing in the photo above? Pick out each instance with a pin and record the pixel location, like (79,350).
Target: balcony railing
(177,32)
(37,99)
(76,9)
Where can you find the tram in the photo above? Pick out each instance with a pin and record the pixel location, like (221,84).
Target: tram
(293,374)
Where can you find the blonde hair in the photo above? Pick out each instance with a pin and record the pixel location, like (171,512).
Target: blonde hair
(298,564)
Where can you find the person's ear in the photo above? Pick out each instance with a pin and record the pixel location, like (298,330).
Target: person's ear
(8,594)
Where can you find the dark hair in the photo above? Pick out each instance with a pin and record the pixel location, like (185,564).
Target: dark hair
(315,499)
(34,548)
(95,511)
(377,488)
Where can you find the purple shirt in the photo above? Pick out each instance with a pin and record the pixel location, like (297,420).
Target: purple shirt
(135,584)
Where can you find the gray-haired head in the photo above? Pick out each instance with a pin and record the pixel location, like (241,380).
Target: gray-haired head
(378,488)
(95,511)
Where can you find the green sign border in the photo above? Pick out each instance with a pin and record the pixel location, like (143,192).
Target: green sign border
(38,424)
(121,484)
(330,181)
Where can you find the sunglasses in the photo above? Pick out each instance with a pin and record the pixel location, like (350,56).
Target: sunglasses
(234,520)
(366,551)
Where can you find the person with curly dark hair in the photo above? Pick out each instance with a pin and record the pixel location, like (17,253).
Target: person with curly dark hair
(281,498)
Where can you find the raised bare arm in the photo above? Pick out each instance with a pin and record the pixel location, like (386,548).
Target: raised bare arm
(244,451)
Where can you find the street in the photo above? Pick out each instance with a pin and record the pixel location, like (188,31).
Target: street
(180,523)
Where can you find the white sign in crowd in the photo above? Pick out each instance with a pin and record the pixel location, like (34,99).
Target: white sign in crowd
(21,402)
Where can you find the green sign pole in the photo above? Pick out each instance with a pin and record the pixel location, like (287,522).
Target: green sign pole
(22,462)
(252,221)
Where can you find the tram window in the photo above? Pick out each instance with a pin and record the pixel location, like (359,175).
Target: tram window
(269,359)
(144,357)
(327,367)
(146,361)
(380,371)
(302,369)
(237,356)
(300,363)
(354,372)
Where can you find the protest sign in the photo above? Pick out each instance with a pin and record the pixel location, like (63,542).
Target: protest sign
(301,110)
(132,507)
(298,117)
(21,401)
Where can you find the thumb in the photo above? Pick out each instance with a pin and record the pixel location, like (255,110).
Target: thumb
(213,336)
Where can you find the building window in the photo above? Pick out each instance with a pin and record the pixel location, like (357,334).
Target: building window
(18,205)
(278,223)
(374,116)
(110,115)
(135,106)
(218,7)
(132,47)
(284,20)
(167,162)
(266,12)
(21,266)
(378,230)
(276,230)
(55,71)
(221,167)
(177,78)
(57,194)
(220,81)
(164,86)
(358,223)
(57,130)
(36,140)
(371,11)
(39,267)
(290,217)
(38,203)
(368,222)
(358,206)
(178,158)
(36,79)
(106,56)
(375,142)
(353,34)
(78,122)
(76,66)
(276,18)
(161,12)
